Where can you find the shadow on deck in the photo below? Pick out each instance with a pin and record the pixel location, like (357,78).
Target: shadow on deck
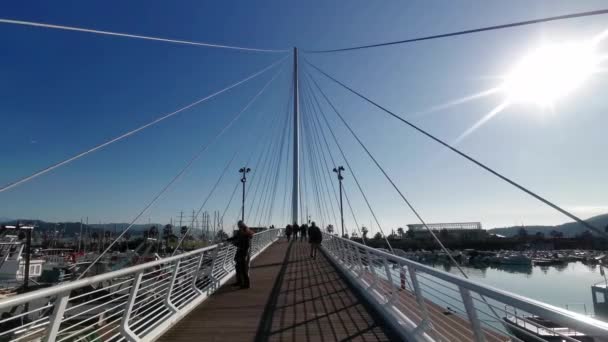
(293,298)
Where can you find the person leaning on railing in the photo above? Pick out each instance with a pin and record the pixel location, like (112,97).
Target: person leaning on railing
(314,238)
(242,241)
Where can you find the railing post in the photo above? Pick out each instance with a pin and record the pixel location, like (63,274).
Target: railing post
(171,285)
(328,243)
(349,254)
(353,258)
(372,269)
(344,251)
(196,272)
(472,314)
(57,316)
(334,246)
(127,333)
(360,260)
(389,277)
(426,322)
(214,257)
(339,253)
(226,257)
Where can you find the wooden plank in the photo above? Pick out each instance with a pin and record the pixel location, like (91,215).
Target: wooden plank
(447,326)
(293,298)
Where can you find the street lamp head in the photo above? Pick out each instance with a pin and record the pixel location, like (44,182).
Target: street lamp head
(341,168)
(335,170)
(248,169)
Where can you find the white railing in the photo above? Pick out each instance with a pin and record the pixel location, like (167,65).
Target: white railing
(425,304)
(137,303)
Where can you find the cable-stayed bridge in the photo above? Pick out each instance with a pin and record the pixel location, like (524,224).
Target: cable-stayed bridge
(350,292)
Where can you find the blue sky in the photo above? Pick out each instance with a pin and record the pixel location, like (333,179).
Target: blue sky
(63,92)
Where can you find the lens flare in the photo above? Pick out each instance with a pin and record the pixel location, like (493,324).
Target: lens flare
(550,72)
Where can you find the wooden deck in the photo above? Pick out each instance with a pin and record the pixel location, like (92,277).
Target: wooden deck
(293,298)
(446,325)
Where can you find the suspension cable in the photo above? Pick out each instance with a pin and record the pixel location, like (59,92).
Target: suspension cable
(442,246)
(180,173)
(260,164)
(221,219)
(318,181)
(319,149)
(236,186)
(205,201)
(466,156)
(278,166)
(459,33)
(312,169)
(259,143)
(318,126)
(369,206)
(315,152)
(265,197)
(133,36)
(129,133)
(371,156)
(322,152)
(259,167)
(269,162)
(352,212)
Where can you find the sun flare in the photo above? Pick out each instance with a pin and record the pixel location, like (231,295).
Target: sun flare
(550,72)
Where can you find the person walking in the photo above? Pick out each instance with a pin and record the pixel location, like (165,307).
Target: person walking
(242,241)
(303,232)
(288,231)
(315,237)
(296,230)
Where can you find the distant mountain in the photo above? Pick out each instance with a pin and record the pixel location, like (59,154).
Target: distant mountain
(568,229)
(573,228)
(5,219)
(512,231)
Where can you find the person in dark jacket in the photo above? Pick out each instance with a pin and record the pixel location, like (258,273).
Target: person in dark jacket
(242,241)
(303,232)
(296,230)
(288,231)
(314,238)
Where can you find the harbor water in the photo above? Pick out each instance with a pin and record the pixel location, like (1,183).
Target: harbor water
(566,286)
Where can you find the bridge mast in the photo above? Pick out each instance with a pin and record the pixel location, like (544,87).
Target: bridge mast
(296,141)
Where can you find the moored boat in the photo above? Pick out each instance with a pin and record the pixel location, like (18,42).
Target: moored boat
(534,328)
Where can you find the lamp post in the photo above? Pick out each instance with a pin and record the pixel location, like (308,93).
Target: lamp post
(244,171)
(339,170)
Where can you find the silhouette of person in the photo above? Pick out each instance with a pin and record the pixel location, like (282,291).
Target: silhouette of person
(288,232)
(303,232)
(242,241)
(315,237)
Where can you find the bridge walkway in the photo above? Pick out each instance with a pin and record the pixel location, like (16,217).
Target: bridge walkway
(293,298)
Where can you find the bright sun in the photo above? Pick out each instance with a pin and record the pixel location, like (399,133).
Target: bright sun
(550,72)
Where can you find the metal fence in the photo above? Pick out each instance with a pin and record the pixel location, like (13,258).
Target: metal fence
(137,303)
(427,304)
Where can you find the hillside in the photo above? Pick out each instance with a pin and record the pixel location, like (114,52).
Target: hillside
(569,229)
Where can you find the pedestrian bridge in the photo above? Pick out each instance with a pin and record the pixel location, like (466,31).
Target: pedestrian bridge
(349,292)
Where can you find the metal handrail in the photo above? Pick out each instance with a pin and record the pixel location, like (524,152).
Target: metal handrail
(341,251)
(182,276)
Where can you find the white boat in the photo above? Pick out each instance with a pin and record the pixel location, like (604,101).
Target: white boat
(12,261)
(515,259)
